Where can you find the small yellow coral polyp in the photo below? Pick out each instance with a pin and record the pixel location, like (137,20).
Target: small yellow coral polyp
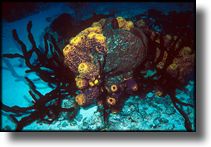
(88,70)
(81,83)
(91,84)
(96,81)
(111,101)
(121,21)
(76,40)
(83,67)
(95,29)
(129,25)
(95,33)
(83,38)
(98,37)
(125,25)
(91,35)
(114,88)
(68,48)
(80,99)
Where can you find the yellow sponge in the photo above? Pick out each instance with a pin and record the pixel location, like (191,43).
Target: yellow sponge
(80,99)
(125,25)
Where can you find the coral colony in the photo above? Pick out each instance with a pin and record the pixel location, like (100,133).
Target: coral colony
(107,62)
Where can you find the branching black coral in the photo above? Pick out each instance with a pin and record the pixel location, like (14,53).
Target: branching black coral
(50,69)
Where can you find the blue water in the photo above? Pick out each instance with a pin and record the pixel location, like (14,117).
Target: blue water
(149,113)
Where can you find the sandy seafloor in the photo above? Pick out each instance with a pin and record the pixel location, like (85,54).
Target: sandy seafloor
(139,113)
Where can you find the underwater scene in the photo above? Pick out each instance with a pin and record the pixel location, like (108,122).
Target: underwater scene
(98,66)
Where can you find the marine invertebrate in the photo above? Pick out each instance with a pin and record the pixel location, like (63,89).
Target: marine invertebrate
(50,69)
(104,64)
(98,65)
(114,88)
(123,24)
(80,99)
(111,101)
(81,83)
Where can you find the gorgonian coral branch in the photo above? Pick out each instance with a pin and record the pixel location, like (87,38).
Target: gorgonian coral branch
(49,69)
